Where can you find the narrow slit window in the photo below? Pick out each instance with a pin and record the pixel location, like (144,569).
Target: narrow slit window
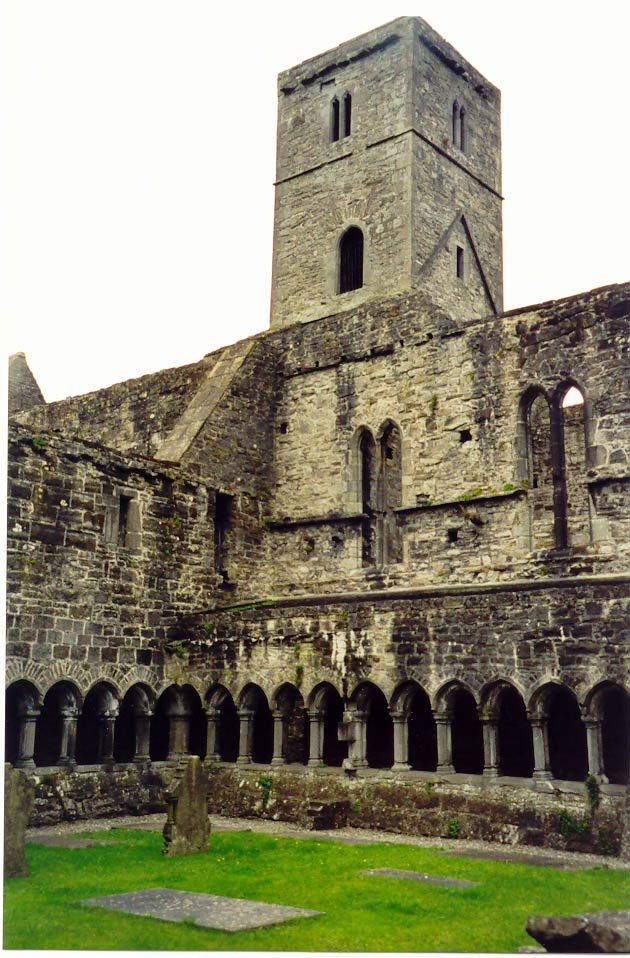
(462,130)
(351,260)
(459,262)
(123,519)
(455,124)
(334,119)
(222,525)
(347,115)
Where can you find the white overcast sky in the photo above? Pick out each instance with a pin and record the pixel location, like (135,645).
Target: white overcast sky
(138,162)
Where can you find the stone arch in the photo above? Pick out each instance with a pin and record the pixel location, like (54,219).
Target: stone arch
(171,721)
(325,705)
(363,485)
(608,706)
(291,739)
(23,703)
(389,492)
(369,701)
(131,730)
(411,700)
(55,735)
(457,704)
(254,704)
(95,726)
(556,705)
(503,705)
(222,712)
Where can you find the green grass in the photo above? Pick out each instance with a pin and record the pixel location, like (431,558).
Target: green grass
(362,913)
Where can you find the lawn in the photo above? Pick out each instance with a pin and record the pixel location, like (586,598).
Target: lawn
(362,913)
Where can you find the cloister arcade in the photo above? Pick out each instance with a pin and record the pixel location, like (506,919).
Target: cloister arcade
(494,732)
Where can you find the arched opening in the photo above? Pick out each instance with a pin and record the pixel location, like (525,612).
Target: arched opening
(160,734)
(225,716)
(295,737)
(196,721)
(567,736)
(389,496)
(514,735)
(131,731)
(466,732)
(55,736)
(379,730)
(351,260)
(254,700)
(422,731)
(573,413)
(95,726)
(415,744)
(20,715)
(326,705)
(609,707)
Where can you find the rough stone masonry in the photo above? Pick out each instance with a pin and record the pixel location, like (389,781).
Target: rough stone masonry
(376,555)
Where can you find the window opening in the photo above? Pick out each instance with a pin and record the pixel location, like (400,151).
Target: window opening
(347,114)
(459,262)
(465,435)
(351,260)
(222,525)
(455,124)
(334,127)
(123,519)
(462,130)
(452,534)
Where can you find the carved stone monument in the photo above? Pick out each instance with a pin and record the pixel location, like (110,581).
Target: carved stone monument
(19,796)
(187,827)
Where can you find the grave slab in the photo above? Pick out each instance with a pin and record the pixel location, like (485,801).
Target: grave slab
(442,880)
(207,911)
(518,858)
(66,841)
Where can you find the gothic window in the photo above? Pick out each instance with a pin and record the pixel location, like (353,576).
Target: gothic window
(463,132)
(334,119)
(459,127)
(351,260)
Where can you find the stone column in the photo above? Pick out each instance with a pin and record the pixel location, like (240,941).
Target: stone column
(142,735)
(246,735)
(178,730)
(595,748)
(279,737)
(540,736)
(357,743)
(212,735)
(105,753)
(68,742)
(490,747)
(316,737)
(444,741)
(401,742)
(26,738)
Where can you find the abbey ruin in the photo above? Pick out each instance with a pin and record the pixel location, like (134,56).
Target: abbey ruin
(376,554)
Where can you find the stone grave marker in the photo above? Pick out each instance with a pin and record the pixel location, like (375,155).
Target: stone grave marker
(19,796)
(207,911)
(443,881)
(187,827)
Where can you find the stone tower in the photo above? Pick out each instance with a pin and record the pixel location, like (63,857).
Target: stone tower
(388,178)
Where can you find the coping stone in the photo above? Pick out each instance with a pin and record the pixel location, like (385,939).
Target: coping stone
(207,911)
(442,880)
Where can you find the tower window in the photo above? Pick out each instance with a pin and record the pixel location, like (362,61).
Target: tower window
(459,127)
(340,117)
(351,260)
(347,114)
(334,119)
(459,262)
(455,124)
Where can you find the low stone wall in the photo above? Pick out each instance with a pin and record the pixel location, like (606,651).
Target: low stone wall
(412,803)
(63,795)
